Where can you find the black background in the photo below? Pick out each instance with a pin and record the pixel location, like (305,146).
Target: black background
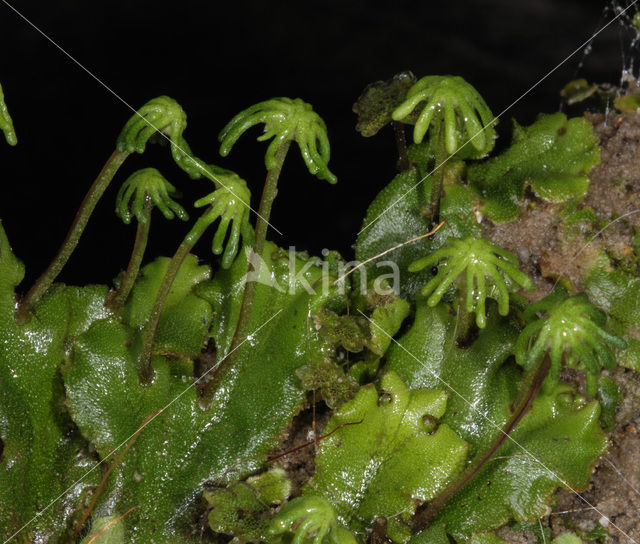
(218,58)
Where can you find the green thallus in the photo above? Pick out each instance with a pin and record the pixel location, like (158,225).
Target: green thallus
(477,267)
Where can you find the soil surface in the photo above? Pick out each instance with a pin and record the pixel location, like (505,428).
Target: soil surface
(297,449)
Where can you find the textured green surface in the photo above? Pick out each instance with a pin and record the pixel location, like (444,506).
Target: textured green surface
(377,102)
(471,264)
(479,379)
(309,518)
(166,118)
(186,318)
(231,203)
(396,455)
(106,530)
(237,511)
(395,216)
(560,430)
(608,396)
(285,119)
(329,381)
(553,156)
(618,294)
(69,376)
(386,320)
(554,446)
(242,510)
(467,121)
(187,445)
(572,331)
(42,454)
(147,186)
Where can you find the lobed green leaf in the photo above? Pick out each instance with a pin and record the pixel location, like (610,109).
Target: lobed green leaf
(553,156)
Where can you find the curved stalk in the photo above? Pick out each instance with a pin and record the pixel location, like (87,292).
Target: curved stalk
(151,328)
(437,175)
(131,274)
(401,144)
(531,387)
(269,194)
(92,197)
(463,319)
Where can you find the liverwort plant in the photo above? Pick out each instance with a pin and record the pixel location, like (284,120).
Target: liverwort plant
(571,330)
(472,263)
(457,118)
(311,518)
(165,116)
(195,373)
(161,114)
(227,203)
(149,349)
(143,190)
(285,120)
(91,199)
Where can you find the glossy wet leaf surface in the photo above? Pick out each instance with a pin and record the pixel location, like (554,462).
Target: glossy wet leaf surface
(388,453)
(188,445)
(480,379)
(397,215)
(186,318)
(553,156)
(561,430)
(42,453)
(555,445)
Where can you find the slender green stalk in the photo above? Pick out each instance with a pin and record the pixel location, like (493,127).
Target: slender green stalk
(437,176)
(531,385)
(150,330)
(222,204)
(401,144)
(73,237)
(464,322)
(130,275)
(268,196)
(262,225)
